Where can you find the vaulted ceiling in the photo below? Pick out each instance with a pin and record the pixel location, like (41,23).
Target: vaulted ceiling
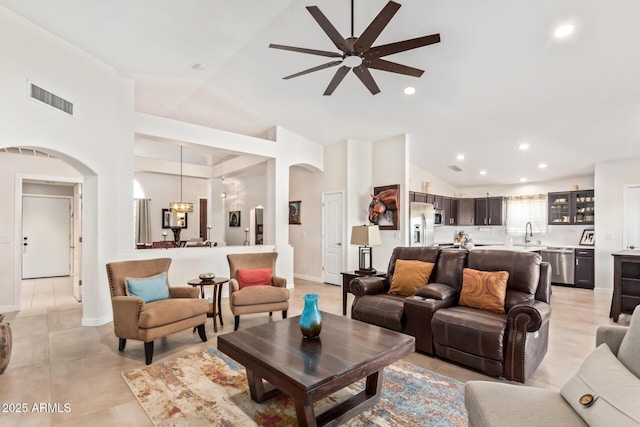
(497,79)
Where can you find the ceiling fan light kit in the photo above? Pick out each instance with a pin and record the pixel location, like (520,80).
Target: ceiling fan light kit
(357,53)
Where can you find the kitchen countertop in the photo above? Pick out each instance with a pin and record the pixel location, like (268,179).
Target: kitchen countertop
(528,248)
(521,247)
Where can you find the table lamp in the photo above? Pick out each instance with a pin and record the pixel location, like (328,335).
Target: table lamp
(365,236)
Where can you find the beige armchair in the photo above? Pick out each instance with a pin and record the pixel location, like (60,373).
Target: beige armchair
(134,319)
(260,298)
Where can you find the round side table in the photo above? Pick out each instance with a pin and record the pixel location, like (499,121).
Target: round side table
(217,296)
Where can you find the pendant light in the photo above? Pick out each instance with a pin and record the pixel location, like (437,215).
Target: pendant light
(181,207)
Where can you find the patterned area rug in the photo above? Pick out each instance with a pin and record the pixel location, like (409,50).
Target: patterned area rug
(210,389)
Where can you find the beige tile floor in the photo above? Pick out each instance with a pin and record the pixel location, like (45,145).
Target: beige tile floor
(55,360)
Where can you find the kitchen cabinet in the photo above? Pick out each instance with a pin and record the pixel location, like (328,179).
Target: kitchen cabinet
(571,207)
(490,210)
(466,211)
(438,203)
(626,283)
(415,196)
(453,219)
(430,198)
(449,211)
(584,273)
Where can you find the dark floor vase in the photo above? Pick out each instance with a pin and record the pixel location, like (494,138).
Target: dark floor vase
(5,344)
(311,319)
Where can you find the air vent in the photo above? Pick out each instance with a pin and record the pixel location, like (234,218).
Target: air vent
(50,99)
(454,168)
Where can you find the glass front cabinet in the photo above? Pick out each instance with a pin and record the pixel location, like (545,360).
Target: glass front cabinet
(571,207)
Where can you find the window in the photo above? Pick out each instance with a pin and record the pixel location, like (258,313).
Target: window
(523,209)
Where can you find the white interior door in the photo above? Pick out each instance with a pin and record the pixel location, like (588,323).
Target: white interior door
(332,247)
(46,231)
(631,223)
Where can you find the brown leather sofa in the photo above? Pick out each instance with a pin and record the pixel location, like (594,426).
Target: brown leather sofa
(511,345)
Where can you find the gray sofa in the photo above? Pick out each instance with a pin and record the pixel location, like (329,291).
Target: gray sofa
(604,392)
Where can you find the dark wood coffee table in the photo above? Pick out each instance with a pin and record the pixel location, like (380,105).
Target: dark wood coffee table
(308,370)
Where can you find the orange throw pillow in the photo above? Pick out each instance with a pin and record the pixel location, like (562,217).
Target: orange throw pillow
(485,290)
(254,277)
(409,276)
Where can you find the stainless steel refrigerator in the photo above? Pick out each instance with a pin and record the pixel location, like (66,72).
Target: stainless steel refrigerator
(421,224)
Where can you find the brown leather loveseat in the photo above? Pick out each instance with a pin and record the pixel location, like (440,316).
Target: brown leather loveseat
(510,344)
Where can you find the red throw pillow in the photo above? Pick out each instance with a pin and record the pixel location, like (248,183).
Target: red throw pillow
(254,277)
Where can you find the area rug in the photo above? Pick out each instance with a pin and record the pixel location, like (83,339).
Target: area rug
(210,389)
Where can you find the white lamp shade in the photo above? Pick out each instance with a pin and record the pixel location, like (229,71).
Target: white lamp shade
(366,235)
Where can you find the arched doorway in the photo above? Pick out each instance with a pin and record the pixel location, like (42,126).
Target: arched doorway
(30,166)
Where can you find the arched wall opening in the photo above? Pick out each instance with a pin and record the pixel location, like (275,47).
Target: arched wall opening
(53,168)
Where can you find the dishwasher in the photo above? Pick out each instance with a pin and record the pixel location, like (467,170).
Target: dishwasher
(562,262)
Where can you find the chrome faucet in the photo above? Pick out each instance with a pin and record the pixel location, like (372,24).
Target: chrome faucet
(528,232)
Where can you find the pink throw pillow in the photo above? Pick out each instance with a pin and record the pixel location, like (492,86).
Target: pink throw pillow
(254,277)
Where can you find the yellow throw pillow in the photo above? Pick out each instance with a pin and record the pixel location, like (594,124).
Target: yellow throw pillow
(409,276)
(485,290)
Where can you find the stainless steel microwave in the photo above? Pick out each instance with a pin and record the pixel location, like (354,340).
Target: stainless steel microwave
(438,219)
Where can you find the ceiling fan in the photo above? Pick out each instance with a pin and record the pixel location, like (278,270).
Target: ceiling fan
(357,53)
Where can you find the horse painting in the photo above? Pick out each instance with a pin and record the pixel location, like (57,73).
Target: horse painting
(383,209)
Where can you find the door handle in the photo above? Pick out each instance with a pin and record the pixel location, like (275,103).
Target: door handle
(631,247)
(338,244)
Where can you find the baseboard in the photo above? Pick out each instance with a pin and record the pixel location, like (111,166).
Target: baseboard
(7,308)
(96,321)
(603,290)
(305,277)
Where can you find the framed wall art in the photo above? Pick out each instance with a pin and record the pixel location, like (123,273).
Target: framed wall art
(384,209)
(588,237)
(234,219)
(170,219)
(294,212)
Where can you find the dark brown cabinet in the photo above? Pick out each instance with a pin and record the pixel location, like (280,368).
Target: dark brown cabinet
(419,197)
(571,207)
(466,211)
(626,283)
(584,273)
(490,210)
(453,211)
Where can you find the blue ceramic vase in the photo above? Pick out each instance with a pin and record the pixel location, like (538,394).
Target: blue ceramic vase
(311,319)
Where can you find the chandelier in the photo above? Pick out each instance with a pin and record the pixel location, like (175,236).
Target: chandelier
(181,207)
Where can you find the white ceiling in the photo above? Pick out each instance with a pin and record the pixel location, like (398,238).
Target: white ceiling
(498,78)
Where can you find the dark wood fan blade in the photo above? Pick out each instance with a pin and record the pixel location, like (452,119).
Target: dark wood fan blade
(365,77)
(391,48)
(366,39)
(381,64)
(311,70)
(336,80)
(329,29)
(305,50)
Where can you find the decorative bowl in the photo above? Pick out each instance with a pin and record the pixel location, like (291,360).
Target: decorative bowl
(207,276)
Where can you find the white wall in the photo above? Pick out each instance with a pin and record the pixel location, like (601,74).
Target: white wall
(390,165)
(97,142)
(610,179)
(418,177)
(306,237)
(242,194)
(541,187)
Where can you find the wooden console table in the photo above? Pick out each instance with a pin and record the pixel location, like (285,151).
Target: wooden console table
(626,282)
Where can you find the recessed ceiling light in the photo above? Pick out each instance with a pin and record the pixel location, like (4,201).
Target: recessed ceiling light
(542,166)
(483,172)
(460,157)
(563,31)
(523,179)
(523,146)
(199,66)
(409,90)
